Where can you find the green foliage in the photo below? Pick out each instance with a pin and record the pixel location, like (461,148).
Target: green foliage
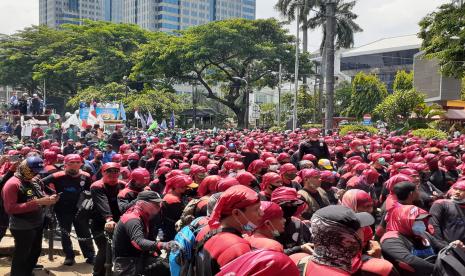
(276,129)
(427,112)
(397,107)
(267,114)
(221,52)
(403,81)
(463,89)
(444,38)
(357,128)
(428,133)
(367,92)
(342,95)
(308,126)
(160,102)
(305,106)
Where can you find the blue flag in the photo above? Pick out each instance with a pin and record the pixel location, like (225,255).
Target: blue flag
(163,124)
(172,120)
(122,112)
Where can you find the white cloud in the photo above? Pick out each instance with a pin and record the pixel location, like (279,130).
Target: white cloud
(378,18)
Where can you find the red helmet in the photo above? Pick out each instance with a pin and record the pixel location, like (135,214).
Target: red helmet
(133,156)
(140,176)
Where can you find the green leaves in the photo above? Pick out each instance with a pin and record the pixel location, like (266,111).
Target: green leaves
(367,92)
(443,34)
(403,81)
(398,107)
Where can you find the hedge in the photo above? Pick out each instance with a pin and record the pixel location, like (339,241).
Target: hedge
(308,126)
(357,128)
(429,133)
(276,129)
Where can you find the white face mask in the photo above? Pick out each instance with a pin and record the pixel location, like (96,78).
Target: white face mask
(274,168)
(274,231)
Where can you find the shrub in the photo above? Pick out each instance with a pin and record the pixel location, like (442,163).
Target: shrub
(357,128)
(429,133)
(309,126)
(276,129)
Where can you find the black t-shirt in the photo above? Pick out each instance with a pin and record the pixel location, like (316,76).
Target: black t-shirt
(128,236)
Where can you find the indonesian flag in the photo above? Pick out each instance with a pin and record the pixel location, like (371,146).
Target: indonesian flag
(92,118)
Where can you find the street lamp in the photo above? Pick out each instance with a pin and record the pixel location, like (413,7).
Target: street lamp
(246,99)
(279,91)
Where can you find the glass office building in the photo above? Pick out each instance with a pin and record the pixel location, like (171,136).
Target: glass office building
(53,13)
(383,57)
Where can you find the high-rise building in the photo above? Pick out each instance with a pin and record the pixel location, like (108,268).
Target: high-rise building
(53,13)
(154,15)
(172,15)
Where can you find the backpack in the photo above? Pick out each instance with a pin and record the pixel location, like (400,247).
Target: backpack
(450,262)
(180,259)
(188,214)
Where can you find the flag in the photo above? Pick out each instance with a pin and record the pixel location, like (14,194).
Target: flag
(92,118)
(136,114)
(149,119)
(122,112)
(153,126)
(163,124)
(142,121)
(172,120)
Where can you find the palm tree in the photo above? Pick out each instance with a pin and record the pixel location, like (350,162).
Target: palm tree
(345,23)
(288,9)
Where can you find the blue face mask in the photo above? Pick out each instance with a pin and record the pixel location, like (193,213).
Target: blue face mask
(419,228)
(249,226)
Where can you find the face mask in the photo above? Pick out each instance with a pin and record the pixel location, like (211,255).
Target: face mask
(392,151)
(273,230)
(419,228)
(274,168)
(359,148)
(249,226)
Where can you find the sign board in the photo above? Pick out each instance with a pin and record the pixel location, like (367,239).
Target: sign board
(367,120)
(107,113)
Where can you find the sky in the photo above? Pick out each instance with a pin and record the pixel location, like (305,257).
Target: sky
(378,18)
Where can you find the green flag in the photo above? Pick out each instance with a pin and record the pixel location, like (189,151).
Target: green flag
(153,126)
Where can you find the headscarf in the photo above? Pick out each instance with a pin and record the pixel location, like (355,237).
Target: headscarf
(355,197)
(335,244)
(402,219)
(23,172)
(270,211)
(269,178)
(177,181)
(261,263)
(236,197)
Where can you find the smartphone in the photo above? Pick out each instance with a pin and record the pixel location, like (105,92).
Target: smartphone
(15,158)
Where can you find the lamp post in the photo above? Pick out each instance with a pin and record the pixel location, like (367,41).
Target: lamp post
(296,72)
(247,104)
(194,104)
(329,68)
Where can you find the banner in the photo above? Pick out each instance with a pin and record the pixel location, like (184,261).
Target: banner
(107,113)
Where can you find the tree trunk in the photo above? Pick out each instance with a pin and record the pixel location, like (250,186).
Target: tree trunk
(305,46)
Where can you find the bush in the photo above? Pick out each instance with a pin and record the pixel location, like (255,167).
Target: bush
(276,129)
(357,128)
(429,133)
(309,126)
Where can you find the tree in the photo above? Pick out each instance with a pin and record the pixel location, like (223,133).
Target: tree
(367,92)
(159,101)
(444,38)
(92,54)
(345,23)
(305,106)
(267,114)
(19,54)
(289,9)
(342,97)
(221,52)
(397,107)
(403,81)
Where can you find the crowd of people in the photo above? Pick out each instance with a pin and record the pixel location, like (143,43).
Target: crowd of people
(233,202)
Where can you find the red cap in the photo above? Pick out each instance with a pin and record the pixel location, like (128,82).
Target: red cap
(309,173)
(226,183)
(208,185)
(269,178)
(270,211)
(177,181)
(236,197)
(72,158)
(116,158)
(309,157)
(133,156)
(245,178)
(111,165)
(285,194)
(459,185)
(287,168)
(140,175)
(282,156)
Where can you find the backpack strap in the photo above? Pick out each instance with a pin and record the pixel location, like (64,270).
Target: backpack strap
(302,265)
(449,258)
